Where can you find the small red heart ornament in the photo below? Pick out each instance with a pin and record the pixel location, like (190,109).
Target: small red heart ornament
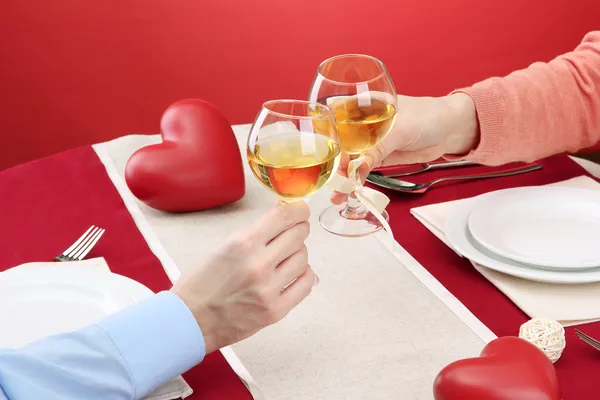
(197,166)
(509,368)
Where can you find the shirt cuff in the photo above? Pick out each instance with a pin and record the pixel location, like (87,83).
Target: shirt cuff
(158,339)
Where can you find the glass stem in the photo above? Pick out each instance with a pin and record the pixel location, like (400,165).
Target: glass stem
(354,209)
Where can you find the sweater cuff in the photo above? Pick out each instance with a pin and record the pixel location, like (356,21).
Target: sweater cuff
(491,116)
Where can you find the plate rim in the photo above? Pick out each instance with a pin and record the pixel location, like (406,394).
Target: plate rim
(587,194)
(123,291)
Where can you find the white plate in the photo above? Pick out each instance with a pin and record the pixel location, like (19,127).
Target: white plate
(37,302)
(551,227)
(457,232)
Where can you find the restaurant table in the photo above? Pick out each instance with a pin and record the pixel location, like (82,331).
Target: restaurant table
(377,326)
(370,328)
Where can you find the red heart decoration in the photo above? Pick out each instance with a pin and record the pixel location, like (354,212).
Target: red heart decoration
(197,166)
(509,368)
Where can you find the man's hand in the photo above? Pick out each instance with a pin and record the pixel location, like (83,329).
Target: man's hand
(253,280)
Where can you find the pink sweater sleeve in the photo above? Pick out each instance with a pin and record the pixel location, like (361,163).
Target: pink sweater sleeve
(545,109)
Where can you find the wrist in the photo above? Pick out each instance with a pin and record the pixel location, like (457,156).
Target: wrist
(203,319)
(461,133)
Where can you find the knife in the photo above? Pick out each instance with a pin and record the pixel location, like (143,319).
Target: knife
(414,169)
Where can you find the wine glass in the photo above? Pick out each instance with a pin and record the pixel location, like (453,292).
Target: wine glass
(293,147)
(361,94)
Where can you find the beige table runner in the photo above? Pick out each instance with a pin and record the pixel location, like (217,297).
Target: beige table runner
(369,330)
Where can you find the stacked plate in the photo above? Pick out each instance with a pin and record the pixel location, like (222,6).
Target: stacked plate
(546,234)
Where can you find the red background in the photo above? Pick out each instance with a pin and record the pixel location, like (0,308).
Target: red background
(78,72)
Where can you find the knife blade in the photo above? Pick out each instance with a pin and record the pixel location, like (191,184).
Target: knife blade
(414,169)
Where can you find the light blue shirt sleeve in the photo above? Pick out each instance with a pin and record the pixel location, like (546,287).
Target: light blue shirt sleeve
(125,356)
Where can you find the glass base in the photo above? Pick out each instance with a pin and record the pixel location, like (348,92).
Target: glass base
(333,219)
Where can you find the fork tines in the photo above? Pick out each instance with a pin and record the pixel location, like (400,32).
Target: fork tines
(83,245)
(588,339)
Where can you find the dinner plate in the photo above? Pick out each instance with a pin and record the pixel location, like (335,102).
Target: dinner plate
(457,233)
(550,227)
(37,302)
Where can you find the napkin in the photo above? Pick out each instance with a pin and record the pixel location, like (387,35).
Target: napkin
(568,304)
(176,388)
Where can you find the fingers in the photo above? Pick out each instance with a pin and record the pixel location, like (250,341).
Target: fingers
(344,161)
(377,154)
(338,198)
(280,219)
(399,139)
(363,172)
(291,268)
(287,243)
(364,169)
(297,291)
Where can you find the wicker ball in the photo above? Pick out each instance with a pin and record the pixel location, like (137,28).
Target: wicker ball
(548,335)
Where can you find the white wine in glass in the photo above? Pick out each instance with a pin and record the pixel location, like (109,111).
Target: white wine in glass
(293,147)
(361,127)
(361,94)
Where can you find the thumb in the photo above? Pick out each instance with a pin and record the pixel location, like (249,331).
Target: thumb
(397,141)
(375,156)
(390,143)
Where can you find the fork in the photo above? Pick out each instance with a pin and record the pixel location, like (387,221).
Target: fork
(82,246)
(588,339)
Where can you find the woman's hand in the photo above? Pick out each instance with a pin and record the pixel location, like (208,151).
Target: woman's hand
(426,128)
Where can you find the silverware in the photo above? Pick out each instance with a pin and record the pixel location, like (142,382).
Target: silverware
(82,246)
(415,169)
(588,339)
(418,188)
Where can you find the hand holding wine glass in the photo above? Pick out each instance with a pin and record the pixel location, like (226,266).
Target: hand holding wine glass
(362,97)
(293,148)
(426,129)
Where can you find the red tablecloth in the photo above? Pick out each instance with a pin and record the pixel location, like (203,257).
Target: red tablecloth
(47,204)
(579,366)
